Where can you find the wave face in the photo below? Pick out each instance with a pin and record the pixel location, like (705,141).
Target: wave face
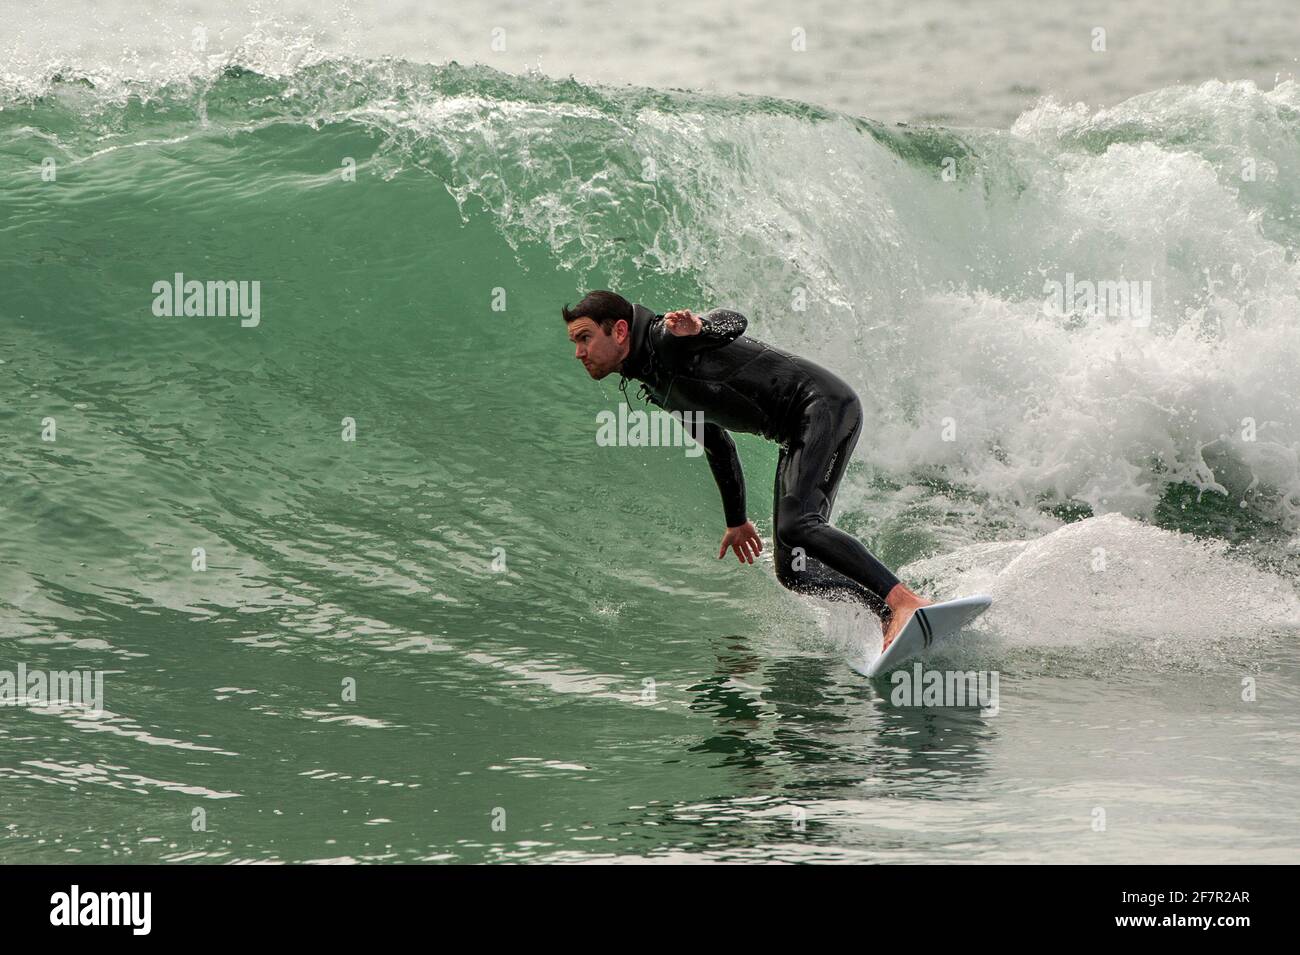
(923,264)
(414,230)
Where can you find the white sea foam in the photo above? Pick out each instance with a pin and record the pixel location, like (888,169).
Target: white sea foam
(1113,579)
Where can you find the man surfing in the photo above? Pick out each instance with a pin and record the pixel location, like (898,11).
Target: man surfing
(706,364)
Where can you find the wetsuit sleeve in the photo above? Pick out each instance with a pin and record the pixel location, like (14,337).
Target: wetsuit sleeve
(725,465)
(721,327)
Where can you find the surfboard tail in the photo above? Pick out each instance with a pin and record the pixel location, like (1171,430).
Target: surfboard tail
(929,626)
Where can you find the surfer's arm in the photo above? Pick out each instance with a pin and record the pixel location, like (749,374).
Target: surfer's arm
(719,327)
(725,465)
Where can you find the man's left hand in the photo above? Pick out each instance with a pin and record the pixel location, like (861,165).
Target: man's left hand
(744,540)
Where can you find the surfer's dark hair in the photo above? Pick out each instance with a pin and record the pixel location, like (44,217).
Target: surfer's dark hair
(602,307)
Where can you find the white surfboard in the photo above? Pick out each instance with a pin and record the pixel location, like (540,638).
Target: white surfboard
(929,627)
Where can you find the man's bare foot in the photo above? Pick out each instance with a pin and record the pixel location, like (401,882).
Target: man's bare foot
(902,604)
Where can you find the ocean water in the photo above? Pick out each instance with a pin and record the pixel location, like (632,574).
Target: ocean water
(939,61)
(473,634)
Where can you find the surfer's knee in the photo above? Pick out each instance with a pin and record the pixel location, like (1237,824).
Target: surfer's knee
(797,523)
(787,564)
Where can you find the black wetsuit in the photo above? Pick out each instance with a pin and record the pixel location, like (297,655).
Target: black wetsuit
(740,384)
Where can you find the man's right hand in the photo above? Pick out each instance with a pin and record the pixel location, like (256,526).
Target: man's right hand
(683,322)
(744,540)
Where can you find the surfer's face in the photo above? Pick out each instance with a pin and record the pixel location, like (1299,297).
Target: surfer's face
(599,351)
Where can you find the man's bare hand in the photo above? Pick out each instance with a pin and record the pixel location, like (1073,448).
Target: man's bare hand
(683,322)
(744,540)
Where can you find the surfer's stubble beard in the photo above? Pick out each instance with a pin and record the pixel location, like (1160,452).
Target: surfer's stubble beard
(602,353)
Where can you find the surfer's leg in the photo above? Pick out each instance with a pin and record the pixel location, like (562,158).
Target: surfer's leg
(812,556)
(806,575)
(903,602)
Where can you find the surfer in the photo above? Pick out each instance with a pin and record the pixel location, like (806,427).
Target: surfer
(688,362)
